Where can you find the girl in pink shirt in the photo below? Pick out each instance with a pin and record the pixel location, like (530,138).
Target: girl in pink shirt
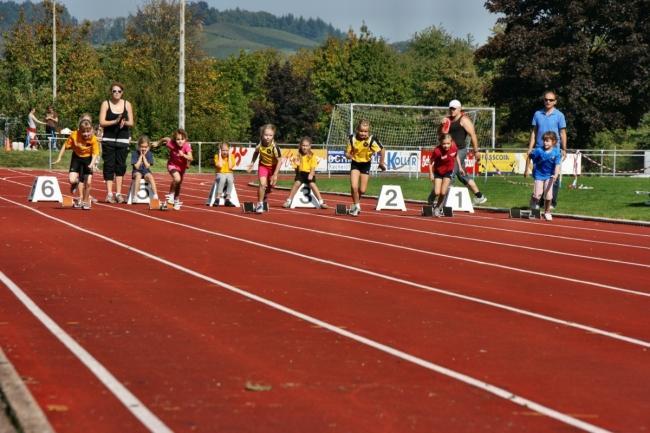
(180,156)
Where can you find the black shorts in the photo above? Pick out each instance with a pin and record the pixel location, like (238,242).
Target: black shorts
(303,177)
(362,167)
(81,166)
(447,175)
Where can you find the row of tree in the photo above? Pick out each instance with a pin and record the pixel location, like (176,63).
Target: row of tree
(228,99)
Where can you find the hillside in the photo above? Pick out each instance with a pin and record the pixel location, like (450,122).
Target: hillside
(223,39)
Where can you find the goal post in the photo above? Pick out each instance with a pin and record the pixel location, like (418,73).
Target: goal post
(405,126)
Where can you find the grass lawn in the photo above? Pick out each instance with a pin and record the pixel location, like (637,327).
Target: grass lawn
(611,197)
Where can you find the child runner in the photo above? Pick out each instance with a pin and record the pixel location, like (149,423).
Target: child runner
(224,163)
(142,160)
(546,169)
(305,164)
(360,149)
(180,156)
(85,149)
(441,170)
(267,171)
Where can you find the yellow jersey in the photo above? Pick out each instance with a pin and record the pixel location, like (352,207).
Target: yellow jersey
(227,165)
(81,147)
(269,155)
(307,163)
(362,150)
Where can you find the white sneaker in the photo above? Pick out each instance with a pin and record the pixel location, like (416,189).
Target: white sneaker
(259,208)
(287,203)
(323,205)
(480,200)
(354,210)
(548,217)
(177,205)
(437,212)
(170,199)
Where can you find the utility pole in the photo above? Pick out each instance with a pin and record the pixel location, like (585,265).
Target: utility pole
(53,50)
(181,70)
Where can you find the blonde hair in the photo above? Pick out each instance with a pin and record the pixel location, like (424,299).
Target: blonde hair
(84,124)
(302,140)
(265,127)
(363,122)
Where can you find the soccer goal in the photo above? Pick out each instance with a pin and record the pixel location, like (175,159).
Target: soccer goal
(405,126)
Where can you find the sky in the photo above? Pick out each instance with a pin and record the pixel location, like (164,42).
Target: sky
(394,20)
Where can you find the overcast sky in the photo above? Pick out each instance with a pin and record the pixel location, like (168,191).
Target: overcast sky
(394,20)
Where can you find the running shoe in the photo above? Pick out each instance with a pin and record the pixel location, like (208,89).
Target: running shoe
(480,200)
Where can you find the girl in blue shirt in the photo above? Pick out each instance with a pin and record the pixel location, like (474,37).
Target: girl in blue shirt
(546,169)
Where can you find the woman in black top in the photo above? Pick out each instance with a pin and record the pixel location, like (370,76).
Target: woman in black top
(116,118)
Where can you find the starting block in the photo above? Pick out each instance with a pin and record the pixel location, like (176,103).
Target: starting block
(249,207)
(525,213)
(67,201)
(341,209)
(447,211)
(157,204)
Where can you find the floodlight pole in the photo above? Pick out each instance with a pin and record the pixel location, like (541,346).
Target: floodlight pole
(181,70)
(53,51)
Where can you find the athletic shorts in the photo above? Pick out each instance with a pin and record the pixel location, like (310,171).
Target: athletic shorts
(362,167)
(171,168)
(265,171)
(81,166)
(303,177)
(447,175)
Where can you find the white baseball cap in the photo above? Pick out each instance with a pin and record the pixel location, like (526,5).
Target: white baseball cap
(454,103)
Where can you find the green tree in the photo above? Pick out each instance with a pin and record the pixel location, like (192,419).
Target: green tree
(289,103)
(358,69)
(595,54)
(27,67)
(442,68)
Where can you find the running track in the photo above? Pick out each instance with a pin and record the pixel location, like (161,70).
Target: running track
(123,319)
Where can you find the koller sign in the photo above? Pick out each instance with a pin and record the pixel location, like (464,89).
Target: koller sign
(403,161)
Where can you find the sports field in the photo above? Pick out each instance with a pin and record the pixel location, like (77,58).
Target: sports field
(211,320)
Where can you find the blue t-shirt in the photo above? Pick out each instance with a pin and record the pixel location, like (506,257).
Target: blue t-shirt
(554,121)
(544,162)
(135,155)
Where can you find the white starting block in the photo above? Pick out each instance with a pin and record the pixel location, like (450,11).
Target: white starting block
(142,196)
(213,196)
(391,198)
(45,188)
(458,199)
(304,198)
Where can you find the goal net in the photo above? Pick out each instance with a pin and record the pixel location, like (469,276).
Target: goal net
(404,126)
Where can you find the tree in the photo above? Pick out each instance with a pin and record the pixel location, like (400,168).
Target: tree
(289,103)
(442,69)
(595,54)
(27,69)
(358,69)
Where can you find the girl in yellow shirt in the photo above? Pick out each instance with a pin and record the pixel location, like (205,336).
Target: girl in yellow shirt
(360,149)
(270,157)
(83,163)
(224,163)
(305,164)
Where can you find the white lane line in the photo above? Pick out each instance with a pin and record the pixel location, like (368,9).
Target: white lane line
(426,252)
(469,380)
(588,329)
(130,401)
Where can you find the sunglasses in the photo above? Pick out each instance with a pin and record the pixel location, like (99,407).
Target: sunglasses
(116,91)
(549,100)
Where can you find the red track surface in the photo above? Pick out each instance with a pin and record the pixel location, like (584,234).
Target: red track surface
(541,325)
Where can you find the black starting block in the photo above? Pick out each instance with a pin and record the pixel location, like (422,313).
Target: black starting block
(249,206)
(341,209)
(447,211)
(525,213)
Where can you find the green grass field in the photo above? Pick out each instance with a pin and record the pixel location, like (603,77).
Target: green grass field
(611,197)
